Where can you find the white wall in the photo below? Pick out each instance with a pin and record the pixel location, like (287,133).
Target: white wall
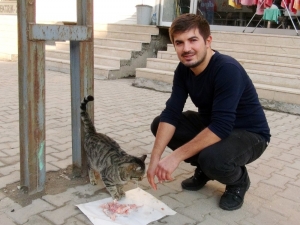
(105,11)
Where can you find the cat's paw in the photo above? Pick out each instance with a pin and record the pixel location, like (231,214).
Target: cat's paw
(122,194)
(93,182)
(116,196)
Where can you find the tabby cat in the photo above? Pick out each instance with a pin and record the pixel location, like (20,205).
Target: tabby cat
(105,156)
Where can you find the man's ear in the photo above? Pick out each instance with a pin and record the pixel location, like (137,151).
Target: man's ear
(208,41)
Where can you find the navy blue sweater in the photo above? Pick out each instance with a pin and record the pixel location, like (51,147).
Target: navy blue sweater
(224,95)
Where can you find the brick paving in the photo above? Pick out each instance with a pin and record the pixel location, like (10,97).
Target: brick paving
(125,112)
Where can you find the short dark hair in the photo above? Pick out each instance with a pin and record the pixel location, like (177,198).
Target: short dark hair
(187,22)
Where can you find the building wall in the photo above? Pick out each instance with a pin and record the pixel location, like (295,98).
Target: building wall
(8,30)
(57,11)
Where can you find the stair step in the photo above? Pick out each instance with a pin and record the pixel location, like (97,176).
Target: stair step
(161,64)
(274,79)
(270,66)
(98,59)
(260,39)
(252,46)
(119,43)
(153,30)
(100,71)
(124,53)
(120,52)
(285,68)
(160,75)
(279,94)
(144,37)
(250,55)
(242,54)
(265,91)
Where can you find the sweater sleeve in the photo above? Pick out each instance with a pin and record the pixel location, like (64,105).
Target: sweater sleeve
(175,104)
(229,85)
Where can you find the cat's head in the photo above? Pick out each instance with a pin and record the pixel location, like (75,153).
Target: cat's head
(134,169)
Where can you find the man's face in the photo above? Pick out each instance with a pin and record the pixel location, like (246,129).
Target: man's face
(190,47)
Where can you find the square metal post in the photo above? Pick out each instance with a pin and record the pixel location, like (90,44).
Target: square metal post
(82,84)
(31,65)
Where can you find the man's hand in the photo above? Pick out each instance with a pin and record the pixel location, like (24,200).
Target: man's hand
(151,172)
(162,169)
(166,167)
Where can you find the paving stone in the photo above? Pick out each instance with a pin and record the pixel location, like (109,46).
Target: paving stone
(83,218)
(283,206)
(12,151)
(267,217)
(208,220)
(10,159)
(60,215)
(291,192)
(7,205)
(9,179)
(61,198)
(62,154)
(204,206)
(9,169)
(278,180)
(22,215)
(37,220)
(266,191)
(73,221)
(177,219)
(290,158)
(5,220)
(295,165)
(62,164)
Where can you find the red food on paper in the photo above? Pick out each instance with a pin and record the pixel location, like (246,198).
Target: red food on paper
(111,209)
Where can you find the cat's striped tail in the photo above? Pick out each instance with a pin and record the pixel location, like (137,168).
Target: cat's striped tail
(87,122)
(86,99)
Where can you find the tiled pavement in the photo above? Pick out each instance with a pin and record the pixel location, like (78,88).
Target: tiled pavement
(124,112)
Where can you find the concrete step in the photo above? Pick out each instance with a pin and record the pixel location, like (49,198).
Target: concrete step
(119,43)
(155,74)
(257,47)
(108,43)
(283,68)
(251,46)
(241,54)
(161,64)
(123,53)
(144,37)
(257,76)
(265,91)
(153,30)
(100,72)
(265,39)
(275,79)
(278,94)
(170,65)
(98,59)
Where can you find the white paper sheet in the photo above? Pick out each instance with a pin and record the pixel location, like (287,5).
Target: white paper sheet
(151,209)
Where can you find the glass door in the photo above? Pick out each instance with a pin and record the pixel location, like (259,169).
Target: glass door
(170,9)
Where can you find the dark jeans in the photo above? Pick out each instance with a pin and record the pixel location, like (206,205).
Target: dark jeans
(223,161)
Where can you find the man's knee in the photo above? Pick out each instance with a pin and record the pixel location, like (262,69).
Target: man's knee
(154,125)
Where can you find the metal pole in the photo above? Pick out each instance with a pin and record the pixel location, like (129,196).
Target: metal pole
(82,84)
(31,66)
(290,16)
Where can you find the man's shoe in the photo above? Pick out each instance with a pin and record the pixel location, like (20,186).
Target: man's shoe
(195,182)
(233,197)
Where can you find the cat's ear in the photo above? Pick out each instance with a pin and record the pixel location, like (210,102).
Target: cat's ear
(143,157)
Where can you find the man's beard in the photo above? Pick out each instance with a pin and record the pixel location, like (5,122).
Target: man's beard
(194,64)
